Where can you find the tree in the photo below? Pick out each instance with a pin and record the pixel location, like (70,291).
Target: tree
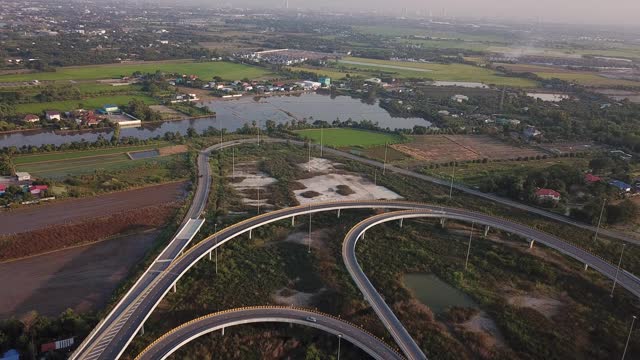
(622,212)
(312,353)
(599,165)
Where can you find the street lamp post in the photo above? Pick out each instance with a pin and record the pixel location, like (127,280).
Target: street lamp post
(625,346)
(453,176)
(340,338)
(600,219)
(321,139)
(309,242)
(384,165)
(215,231)
(466,262)
(615,280)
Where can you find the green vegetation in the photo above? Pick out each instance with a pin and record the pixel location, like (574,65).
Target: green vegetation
(88,103)
(68,155)
(438,72)
(342,137)
(205,70)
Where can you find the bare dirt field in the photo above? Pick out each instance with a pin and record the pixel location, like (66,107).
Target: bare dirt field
(167,112)
(247,179)
(58,237)
(81,278)
(571,147)
(64,212)
(329,185)
(445,148)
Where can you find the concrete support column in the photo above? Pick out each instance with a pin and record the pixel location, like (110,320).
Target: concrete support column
(338,213)
(363,235)
(293,221)
(586,267)
(250,234)
(175,287)
(486,230)
(443,222)
(531,242)
(209,255)
(142,330)
(222,331)
(401,220)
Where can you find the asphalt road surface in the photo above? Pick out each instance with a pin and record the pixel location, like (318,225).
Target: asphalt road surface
(176,338)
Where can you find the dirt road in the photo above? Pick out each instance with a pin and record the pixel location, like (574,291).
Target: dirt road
(36,217)
(81,278)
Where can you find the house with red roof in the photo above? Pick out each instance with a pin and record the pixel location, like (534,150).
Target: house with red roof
(3,189)
(547,194)
(37,189)
(31,118)
(590,178)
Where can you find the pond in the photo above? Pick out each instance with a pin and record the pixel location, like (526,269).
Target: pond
(435,293)
(233,114)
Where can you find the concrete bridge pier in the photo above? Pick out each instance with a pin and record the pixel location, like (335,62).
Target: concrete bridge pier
(586,266)
(142,330)
(293,221)
(175,288)
(222,331)
(209,255)
(486,230)
(531,242)
(443,222)
(338,213)
(362,235)
(401,220)
(250,234)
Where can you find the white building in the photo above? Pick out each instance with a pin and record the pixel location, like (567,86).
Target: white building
(460,98)
(52,115)
(23,176)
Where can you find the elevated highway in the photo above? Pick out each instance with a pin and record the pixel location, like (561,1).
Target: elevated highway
(115,342)
(178,337)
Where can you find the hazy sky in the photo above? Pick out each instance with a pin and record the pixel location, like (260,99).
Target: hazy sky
(573,11)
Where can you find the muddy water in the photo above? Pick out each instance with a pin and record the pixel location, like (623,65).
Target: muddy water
(435,293)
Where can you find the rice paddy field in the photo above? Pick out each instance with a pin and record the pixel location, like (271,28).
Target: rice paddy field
(341,137)
(438,72)
(204,70)
(585,78)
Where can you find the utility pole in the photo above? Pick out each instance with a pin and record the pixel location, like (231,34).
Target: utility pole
(309,165)
(233,162)
(453,175)
(259,132)
(258,200)
(340,338)
(466,262)
(625,346)
(321,139)
(618,270)
(309,250)
(375,177)
(215,231)
(384,165)
(600,219)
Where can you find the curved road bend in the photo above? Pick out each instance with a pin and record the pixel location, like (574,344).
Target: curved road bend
(391,322)
(180,336)
(114,342)
(188,228)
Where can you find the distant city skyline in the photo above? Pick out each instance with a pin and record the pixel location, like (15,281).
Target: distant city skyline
(616,12)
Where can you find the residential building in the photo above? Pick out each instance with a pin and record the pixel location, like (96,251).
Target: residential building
(325,81)
(460,98)
(530,132)
(37,189)
(547,194)
(620,185)
(52,115)
(590,178)
(109,108)
(31,118)
(3,189)
(23,176)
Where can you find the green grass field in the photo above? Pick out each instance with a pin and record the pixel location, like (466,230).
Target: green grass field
(68,155)
(341,137)
(89,103)
(205,70)
(440,72)
(59,166)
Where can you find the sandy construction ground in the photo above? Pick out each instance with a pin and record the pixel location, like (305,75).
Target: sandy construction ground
(327,182)
(81,278)
(67,211)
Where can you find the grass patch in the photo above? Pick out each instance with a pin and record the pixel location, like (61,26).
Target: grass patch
(205,70)
(91,103)
(340,137)
(67,155)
